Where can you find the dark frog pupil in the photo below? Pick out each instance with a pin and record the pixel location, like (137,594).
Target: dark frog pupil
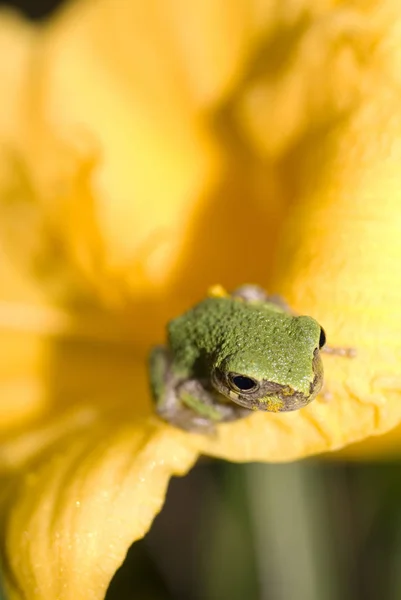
(243,383)
(322,339)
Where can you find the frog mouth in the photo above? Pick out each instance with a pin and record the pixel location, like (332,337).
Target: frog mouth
(275,397)
(283,399)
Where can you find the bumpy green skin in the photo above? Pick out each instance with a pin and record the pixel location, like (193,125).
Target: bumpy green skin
(254,339)
(227,336)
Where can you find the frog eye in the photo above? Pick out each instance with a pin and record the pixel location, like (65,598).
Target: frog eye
(322,338)
(242,383)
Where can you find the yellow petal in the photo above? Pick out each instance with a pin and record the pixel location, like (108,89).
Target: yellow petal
(155,103)
(22,355)
(375,448)
(17,39)
(73,514)
(339,261)
(157,156)
(57,357)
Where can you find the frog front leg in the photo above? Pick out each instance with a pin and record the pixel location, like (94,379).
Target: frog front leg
(186,403)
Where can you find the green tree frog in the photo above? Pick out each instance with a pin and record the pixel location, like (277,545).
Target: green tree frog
(233,354)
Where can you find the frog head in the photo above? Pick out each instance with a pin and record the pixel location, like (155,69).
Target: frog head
(273,365)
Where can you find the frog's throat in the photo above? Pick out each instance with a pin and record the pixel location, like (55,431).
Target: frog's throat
(275,397)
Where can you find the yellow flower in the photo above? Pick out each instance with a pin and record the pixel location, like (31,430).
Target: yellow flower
(147,152)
